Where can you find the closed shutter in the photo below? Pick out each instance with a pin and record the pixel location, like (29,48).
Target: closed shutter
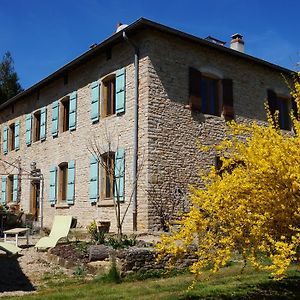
(43,123)
(5,139)
(120,91)
(3,190)
(15,188)
(53,183)
(17,135)
(119,174)
(55,108)
(94,180)
(95,101)
(71,182)
(195,89)
(73,111)
(28,124)
(228,110)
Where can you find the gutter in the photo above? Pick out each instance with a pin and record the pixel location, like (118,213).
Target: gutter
(135,130)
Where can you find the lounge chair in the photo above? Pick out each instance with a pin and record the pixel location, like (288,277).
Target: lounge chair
(60,229)
(9,248)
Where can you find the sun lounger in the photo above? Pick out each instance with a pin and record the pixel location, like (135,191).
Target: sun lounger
(9,248)
(60,229)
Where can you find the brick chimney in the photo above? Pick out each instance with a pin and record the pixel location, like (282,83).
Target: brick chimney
(237,42)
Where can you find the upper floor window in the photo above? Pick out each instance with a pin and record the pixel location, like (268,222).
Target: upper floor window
(11,137)
(65,112)
(109,96)
(280,104)
(37,126)
(210,95)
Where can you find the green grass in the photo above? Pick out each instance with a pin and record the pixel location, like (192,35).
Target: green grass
(229,283)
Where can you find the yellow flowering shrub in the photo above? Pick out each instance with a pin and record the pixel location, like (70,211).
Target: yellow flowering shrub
(250,206)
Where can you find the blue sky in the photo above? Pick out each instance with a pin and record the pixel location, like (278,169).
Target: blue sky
(44,35)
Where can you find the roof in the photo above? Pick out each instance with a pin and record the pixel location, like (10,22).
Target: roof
(131,29)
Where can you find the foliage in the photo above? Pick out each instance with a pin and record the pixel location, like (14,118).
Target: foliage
(113,274)
(118,243)
(251,205)
(9,81)
(98,237)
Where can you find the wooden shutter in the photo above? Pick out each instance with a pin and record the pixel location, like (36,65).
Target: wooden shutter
(43,123)
(94,179)
(73,111)
(228,110)
(195,89)
(95,101)
(272,101)
(53,184)
(71,182)
(15,188)
(3,190)
(5,139)
(119,174)
(55,115)
(120,91)
(17,135)
(28,124)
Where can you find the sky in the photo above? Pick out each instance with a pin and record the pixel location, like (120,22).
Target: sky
(43,36)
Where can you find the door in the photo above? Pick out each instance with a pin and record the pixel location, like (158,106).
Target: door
(35,199)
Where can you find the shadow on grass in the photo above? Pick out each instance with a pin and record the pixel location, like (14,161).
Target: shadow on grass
(12,277)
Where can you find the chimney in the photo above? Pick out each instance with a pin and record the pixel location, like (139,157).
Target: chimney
(237,43)
(120,26)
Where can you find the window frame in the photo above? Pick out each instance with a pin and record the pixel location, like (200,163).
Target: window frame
(64,113)
(111,78)
(11,136)
(107,182)
(62,183)
(36,128)
(9,188)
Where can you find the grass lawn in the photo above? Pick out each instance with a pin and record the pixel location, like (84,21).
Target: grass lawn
(229,283)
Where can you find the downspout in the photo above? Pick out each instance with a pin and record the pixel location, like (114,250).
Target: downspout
(135,130)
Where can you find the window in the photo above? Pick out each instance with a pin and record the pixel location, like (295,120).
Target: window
(280,104)
(37,126)
(109,90)
(10,188)
(11,139)
(210,95)
(107,175)
(65,111)
(62,182)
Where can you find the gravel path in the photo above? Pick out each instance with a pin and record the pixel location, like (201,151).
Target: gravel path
(24,273)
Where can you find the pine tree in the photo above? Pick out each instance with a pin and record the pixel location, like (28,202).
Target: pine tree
(9,81)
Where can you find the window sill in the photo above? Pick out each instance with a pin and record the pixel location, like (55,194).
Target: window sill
(62,205)
(106,202)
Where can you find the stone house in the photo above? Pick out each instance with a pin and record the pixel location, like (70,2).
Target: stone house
(130,110)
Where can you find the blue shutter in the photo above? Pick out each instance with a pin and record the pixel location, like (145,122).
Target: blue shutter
(53,179)
(3,193)
(72,113)
(95,101)
(55,107)
(94,179)
(71,182)
(119,174)
(15,188)
(43,123)
(28,124)
(5,139)
(17,135)
(120,91)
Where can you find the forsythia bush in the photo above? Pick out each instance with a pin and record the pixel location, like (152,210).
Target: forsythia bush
(251,206)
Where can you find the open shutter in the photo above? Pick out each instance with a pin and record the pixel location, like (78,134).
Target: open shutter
(53,183)
(71,182)
(272,101)
(95,101)
(43,123)
(73,111)
(5,139)
(28,124)
(15,188)
(228,110)
(119,174)
(120,91)
(3,190)
(94,180)
(55,107)
(17,135)
(195,89)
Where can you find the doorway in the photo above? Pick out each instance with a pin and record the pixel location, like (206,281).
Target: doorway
(35,199)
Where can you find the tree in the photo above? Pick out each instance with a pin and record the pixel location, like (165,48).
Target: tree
(9,81)
(251,205)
